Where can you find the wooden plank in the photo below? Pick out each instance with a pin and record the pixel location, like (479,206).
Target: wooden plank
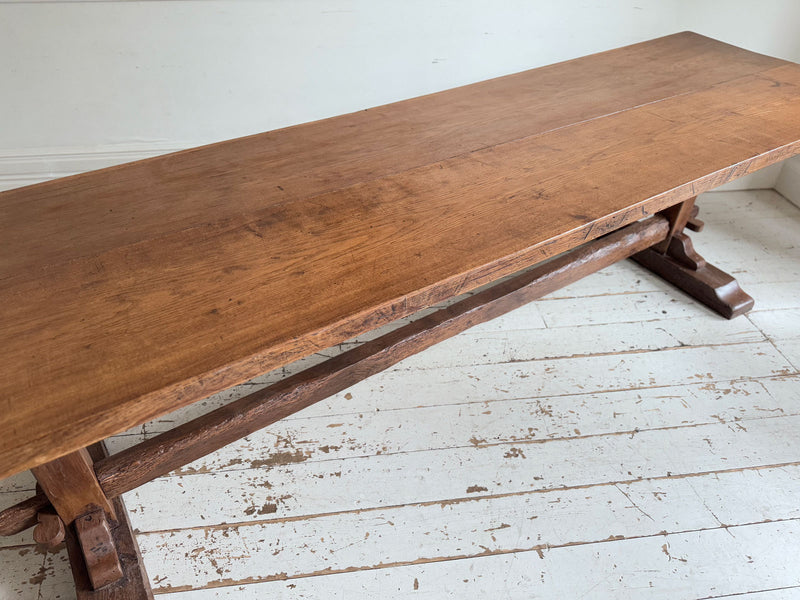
(778,324)
(598,310)
(773,297)
(539,523)
(358,435)
(405,386)
(732,207)
(709,564)
(492,345)
(297,162)
(24,570)
(241,314)
(614,280)
(619,309)
(58,582)
(753,248)
(301,489)
(551,343)
(790,349)
(783,593)
(560,377)
(782,327)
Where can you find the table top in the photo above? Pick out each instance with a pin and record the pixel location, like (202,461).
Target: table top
(134,290)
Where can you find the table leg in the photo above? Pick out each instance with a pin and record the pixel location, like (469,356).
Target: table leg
(133,585)
(103,553)
(676,260)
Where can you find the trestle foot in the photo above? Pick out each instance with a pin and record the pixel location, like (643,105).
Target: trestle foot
(676,261)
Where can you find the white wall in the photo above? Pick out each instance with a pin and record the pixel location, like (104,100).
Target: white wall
(86,84)
(788,180)
(766,26)
(80,78)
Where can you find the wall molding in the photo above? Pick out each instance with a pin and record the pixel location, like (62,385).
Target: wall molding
(34,165)
(69,1)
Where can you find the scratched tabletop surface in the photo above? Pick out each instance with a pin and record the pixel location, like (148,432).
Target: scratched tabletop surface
(134,290)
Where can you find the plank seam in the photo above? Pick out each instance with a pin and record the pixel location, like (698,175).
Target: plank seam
(539,549)
(520,442)
(464,499)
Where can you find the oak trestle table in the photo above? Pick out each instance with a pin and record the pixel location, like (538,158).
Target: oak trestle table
(132,291)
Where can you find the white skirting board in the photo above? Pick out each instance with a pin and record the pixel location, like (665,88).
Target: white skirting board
(19,169)
(34,166)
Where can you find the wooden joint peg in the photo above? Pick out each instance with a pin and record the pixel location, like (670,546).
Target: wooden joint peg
(99,551)
(49,531)
(694,223)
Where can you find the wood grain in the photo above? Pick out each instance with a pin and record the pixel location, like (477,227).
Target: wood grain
(23,515)
(243,176)
(133,583)
(71,486)
(225,262)
(49,531)
(135,466)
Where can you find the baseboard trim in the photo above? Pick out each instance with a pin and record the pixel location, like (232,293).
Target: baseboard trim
(36,165)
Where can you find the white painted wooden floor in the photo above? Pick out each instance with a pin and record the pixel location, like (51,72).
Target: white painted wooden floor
(613,440)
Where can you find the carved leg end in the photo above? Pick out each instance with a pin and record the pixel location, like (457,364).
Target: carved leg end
(714,288)
(133,583)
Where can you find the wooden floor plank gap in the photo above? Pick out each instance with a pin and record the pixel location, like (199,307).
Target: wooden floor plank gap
(468,499)
(538,549)
(749,592)
(769,338)
(573,393)
(631,352)
(517,442)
